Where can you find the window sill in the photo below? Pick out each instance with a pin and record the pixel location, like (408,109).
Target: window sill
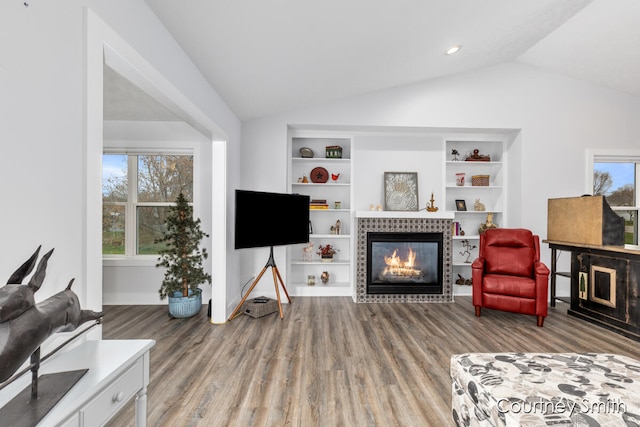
(129,261)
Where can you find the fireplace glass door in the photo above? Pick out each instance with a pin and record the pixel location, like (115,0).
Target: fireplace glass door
(404,263)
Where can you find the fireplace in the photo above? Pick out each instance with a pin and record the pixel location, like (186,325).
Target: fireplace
(422,274)
(404,263)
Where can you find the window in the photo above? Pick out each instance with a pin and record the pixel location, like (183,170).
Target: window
(136,193)
(616,178)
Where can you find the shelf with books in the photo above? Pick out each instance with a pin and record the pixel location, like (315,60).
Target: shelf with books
(467,224)
(330,210)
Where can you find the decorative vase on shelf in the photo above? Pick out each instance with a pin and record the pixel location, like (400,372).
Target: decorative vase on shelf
(327,258)
(324,277)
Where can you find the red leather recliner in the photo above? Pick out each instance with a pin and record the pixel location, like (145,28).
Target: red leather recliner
(508,274)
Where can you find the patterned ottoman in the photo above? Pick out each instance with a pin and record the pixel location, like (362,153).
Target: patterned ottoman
(545,389)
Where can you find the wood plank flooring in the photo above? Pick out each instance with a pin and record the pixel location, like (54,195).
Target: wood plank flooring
(330,361)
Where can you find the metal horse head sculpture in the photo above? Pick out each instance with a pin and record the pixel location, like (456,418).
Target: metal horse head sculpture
(15,298)
(25,325)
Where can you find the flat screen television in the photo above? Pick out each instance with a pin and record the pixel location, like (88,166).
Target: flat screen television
(270,219)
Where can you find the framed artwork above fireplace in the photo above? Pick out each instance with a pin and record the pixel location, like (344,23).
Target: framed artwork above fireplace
(401,191)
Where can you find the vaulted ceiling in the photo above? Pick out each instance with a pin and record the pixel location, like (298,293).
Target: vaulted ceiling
(265,57)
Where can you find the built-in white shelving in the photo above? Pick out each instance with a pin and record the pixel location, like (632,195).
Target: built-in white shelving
(492,196)
(342,269)
(337,189)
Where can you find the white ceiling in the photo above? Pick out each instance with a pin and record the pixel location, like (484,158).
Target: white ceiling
(600,44)
(265,57)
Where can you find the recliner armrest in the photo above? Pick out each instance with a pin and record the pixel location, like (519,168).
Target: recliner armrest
(478,263)
(540,269)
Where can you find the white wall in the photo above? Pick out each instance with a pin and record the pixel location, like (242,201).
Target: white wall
(377,154)
(42,126)
(560,118)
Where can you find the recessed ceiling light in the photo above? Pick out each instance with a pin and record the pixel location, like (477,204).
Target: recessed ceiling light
(453,49)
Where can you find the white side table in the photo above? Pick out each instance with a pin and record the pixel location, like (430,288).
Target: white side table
(118,370)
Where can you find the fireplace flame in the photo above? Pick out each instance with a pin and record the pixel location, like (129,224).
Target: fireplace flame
(396,267)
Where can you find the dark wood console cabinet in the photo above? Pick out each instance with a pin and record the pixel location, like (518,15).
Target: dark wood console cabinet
(604,285)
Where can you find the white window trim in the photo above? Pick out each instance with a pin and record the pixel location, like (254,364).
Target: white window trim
(604,155)
(130,148)
(622,156)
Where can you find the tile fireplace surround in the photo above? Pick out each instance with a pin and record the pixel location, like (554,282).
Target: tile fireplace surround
(403,222)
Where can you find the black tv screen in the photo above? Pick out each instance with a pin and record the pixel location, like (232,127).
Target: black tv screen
(270,219)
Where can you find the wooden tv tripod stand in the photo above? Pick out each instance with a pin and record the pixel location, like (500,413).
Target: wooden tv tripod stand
(276,277)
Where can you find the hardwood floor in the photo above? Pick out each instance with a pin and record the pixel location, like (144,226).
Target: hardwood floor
(330,361)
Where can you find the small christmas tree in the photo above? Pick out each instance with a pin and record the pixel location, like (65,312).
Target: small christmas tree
(182,256)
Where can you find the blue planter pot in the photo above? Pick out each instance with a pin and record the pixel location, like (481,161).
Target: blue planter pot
(183,307)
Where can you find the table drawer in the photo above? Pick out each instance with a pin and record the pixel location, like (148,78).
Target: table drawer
(73,421)
(114,396)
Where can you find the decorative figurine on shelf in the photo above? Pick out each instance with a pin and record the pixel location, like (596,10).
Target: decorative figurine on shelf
(462,281)
(468,247)
(324,277)
(335,176)
(431,207)
(306,153)
(477,157)
(478,206)
(307,252)
(333,152)
(455,155)
(487,225)
(303,180)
